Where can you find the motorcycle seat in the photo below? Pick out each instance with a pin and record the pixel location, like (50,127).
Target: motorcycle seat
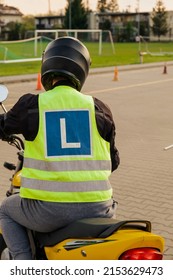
(89,228)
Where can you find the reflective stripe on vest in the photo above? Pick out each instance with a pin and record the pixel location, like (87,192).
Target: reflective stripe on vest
(63,174)
(54,186)
(72,165)
(73,197)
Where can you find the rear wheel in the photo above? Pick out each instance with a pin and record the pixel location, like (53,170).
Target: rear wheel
(4,252)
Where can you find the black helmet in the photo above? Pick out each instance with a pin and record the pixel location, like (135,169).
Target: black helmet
(66,57)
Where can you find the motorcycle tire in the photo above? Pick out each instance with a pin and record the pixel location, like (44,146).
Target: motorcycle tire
(4,252)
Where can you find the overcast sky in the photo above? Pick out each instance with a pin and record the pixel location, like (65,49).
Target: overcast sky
(42,6)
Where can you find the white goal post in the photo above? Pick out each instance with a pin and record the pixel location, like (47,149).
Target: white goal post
(57,32)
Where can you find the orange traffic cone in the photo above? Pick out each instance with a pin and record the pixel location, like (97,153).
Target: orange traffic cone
(115,74)
(39,85)
(165,69)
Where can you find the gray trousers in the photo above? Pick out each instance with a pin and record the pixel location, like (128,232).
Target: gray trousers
(17,214)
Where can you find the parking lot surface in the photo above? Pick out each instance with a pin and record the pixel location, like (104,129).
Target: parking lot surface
(141,100)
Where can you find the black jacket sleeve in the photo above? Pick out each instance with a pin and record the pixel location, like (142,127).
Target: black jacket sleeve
(23,117)
(2,133)
(107,130)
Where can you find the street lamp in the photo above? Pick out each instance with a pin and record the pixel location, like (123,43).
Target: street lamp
(69,14)
(49,9)
(138,17)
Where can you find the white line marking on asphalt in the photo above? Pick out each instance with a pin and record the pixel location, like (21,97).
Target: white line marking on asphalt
(168,147)
(130,86)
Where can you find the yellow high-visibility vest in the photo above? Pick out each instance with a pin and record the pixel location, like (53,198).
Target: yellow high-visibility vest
(68,161)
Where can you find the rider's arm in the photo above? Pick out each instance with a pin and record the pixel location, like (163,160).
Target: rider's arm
(107,130)
(23,117)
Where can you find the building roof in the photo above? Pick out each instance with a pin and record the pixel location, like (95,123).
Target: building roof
(9,10)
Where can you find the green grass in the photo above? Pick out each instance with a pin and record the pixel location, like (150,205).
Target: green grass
(125,54)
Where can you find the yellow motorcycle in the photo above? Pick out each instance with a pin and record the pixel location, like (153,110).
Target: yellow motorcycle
(86,239)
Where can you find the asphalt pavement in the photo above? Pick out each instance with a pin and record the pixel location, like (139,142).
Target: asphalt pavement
(141,101)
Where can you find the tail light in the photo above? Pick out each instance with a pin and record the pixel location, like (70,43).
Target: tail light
(141,254)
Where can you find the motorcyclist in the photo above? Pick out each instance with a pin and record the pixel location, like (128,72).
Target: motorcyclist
(69,150)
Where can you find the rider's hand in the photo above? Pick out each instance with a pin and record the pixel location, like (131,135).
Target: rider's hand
(3,136)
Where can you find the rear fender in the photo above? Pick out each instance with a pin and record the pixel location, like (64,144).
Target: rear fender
(110,248)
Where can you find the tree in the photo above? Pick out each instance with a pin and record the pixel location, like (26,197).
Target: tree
(14,30)
(102,6)
(28,26)
(159,18)
(21,30)
(105,24)
(28,22)
(75,15)
(127,33)
(113,6)
(105,6)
